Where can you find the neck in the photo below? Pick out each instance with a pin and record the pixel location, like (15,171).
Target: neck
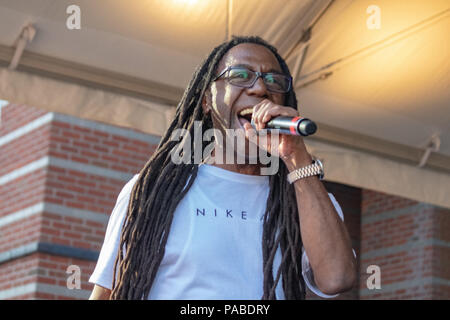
(250,169)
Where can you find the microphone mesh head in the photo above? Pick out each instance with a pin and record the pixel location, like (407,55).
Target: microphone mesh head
(307,127)
(310,128)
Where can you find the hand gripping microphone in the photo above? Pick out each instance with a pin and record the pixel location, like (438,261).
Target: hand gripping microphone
(297,126)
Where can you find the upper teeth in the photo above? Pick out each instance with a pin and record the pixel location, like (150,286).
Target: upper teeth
(246,111)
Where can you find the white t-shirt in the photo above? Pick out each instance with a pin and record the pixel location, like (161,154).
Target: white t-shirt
(214,249)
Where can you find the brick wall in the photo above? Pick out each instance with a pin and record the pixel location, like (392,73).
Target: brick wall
(42,276)
(59,180)
(409,241)
(16,116)
(60,177)
(63,176)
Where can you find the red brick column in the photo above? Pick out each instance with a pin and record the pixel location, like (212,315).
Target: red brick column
(410,243)
(59,179)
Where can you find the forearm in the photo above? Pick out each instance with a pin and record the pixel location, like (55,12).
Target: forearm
(324,235)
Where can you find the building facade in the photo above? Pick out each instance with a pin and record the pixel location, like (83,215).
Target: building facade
(60,177)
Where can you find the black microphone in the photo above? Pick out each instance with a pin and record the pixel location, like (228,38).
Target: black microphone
(293,125)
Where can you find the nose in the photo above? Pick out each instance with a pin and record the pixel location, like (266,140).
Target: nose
(259,88)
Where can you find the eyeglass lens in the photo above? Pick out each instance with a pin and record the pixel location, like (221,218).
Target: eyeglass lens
(246,78)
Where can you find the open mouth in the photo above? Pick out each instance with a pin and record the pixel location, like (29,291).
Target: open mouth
(245,116)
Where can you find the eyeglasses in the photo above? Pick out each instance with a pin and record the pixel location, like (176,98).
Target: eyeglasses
(242,77)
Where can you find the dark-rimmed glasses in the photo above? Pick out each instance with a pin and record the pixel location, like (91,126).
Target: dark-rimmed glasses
(243,77)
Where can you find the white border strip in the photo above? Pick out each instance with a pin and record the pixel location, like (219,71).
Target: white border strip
(26,169)
(60,210)
(51,116)
(43,288)
(27,128)
(395,213)
(107,128)
(408,247)
(64,164)
(64,211)
(22,214)
(19,251)
(91,169)
(18,291)
(62,291)
(406,284)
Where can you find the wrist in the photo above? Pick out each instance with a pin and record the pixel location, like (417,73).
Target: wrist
(313,169)
(297,160)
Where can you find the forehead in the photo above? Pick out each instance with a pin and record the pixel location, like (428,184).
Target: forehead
(254,55)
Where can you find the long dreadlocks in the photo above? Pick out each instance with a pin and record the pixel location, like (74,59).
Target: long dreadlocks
(162,184)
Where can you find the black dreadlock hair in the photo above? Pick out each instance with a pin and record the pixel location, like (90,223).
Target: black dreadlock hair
(162,184)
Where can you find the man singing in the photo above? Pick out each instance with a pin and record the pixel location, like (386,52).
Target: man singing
(221,230)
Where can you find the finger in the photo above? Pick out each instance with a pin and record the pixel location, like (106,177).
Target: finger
(257,107)
(249,130)
(269,113)
(278,111)
(259,114)
(251,134)
(254,113)
(253,137)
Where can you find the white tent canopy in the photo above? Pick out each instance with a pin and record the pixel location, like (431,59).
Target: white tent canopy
(378,95)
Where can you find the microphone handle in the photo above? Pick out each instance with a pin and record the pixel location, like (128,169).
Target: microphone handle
(293,125)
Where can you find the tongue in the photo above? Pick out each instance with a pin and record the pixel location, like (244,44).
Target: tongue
(243,121)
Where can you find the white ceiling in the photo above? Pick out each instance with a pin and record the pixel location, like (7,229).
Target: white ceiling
(399,91)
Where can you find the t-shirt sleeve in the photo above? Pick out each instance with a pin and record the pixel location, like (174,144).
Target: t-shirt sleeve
(308,275)
(103,272)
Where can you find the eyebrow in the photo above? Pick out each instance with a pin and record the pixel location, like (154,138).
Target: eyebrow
(243,65)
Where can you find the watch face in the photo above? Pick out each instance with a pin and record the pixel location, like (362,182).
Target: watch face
(321,168)
(319,163)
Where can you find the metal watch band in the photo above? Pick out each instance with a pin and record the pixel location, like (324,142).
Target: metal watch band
(314,169)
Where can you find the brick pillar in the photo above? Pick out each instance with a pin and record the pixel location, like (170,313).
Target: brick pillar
(410,243)
(59,180)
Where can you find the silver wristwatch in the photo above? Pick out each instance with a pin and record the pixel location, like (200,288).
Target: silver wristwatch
(314,169)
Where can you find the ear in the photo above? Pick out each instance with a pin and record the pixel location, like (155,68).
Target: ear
(206,102)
